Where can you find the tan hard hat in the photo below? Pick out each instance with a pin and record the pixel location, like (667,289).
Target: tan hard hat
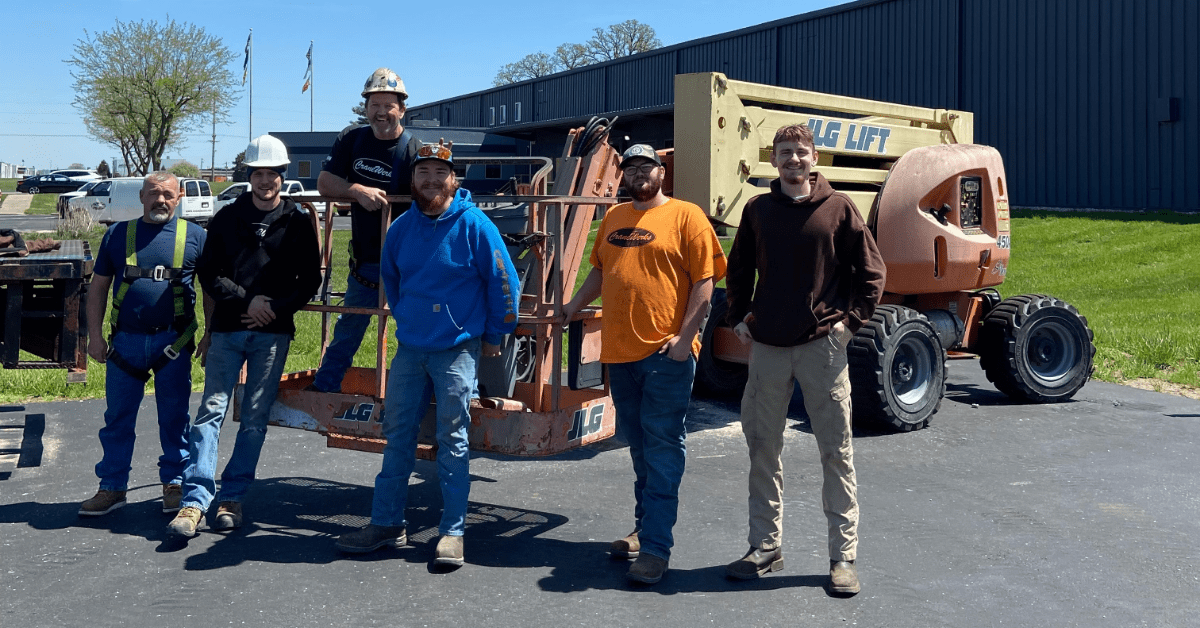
(386,81)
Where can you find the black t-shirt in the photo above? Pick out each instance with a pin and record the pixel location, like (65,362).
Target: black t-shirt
(358,157)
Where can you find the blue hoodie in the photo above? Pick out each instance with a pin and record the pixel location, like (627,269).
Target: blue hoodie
(449,280)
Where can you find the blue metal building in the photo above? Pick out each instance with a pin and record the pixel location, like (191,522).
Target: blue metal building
(1093,103)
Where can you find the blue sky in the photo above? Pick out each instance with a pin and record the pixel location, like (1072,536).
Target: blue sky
(440,49)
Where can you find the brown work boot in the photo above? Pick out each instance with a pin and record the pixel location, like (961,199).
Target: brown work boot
(229,516)
(449,551)
(102,503)
(172,495)
(184,524)
(647,569)
(370,538)
(626,548)
(843,577)
(755,563)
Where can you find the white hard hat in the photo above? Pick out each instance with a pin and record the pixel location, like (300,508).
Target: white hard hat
(384,80)
(265,151)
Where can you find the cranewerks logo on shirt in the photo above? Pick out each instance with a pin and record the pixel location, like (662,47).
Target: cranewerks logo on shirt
(373,170)
(630,237)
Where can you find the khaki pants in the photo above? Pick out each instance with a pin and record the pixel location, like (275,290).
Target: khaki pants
(820,369)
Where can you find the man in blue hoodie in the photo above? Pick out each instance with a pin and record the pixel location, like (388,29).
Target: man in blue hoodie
(453,293)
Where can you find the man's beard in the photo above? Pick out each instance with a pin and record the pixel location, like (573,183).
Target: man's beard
(426,204)
(643,193)
(159,215)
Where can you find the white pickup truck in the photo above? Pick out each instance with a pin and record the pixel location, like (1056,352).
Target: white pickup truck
(291,188)
(114,200)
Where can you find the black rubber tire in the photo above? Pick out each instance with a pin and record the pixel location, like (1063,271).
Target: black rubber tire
(35,190)
(897,369)
(343,212)
(715,377)
(1035,347)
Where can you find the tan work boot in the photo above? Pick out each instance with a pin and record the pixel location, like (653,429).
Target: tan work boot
(229,516)
(755,563)
(102,503)
(184,524)
(449,551)
(172,495)
(628,547)
(843,577)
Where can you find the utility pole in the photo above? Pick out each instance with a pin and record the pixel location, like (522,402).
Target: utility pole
(212,173)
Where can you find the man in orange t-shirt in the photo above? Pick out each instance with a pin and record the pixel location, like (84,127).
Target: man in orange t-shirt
(654,264)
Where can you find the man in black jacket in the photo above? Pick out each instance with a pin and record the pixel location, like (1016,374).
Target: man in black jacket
(820,276)
(260,264)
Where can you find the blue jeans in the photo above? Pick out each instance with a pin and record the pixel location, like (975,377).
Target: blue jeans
(172,386)
(264,356)
(651,398)
(415,377)
(348,331)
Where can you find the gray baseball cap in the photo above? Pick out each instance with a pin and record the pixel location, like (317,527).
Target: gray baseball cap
(636,151)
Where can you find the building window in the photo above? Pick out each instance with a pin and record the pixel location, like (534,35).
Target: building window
(304,169)
(503,114)
(517,111)
(491,171)
(493,118)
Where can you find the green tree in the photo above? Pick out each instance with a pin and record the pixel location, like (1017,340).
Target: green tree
(142,85)
(103,170)
(359,110)
(185,169)
(616,41)
(239,168)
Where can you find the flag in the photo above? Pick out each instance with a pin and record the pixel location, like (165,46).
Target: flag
(246,63)
(308,72)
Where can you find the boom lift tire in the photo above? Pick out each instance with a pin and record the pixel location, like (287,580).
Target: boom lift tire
(716,377)
(1035,347)
(897,369)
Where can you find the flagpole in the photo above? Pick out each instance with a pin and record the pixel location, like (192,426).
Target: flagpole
(312,88)
(250,58)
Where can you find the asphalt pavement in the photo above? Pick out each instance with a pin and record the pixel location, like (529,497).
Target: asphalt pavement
(999,514)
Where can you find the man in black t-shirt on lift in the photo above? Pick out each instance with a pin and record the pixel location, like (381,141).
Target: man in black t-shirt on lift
(366,163)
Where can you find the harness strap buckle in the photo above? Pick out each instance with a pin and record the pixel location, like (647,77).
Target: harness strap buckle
(170,352)
(160,273)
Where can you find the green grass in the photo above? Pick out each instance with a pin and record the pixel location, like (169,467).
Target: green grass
(42,205)
(1132,275)
(1135,278)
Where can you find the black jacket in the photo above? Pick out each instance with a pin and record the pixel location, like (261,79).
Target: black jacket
(250,252)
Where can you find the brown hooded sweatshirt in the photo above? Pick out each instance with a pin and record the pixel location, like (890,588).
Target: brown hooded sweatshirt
(816,261)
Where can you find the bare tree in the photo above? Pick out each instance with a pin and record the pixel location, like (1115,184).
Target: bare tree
(142,85)
(529,66)
(621,40)
(616,41)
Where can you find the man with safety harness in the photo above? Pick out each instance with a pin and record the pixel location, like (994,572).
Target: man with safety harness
(260,265)
(153,260)
(366,163)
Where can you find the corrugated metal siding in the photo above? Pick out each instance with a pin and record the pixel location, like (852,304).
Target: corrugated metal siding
(902,51)
(1069,91)
(747,57)
(645,80)
(571,95)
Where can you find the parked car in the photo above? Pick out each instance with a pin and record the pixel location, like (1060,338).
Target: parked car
(65,197)
(114,200)
(290,187)
(48,183)
(230,194)
(79,175)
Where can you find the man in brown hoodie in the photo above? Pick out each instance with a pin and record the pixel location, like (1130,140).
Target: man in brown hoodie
(820,276)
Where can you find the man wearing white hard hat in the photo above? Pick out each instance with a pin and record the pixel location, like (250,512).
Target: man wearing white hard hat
(366,163)
(260,264)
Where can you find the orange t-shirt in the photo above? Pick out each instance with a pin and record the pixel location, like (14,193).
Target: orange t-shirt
(649,260)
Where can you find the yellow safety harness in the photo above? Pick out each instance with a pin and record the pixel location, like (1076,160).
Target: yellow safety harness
(185,316)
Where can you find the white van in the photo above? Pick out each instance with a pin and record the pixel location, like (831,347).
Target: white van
(116,200)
